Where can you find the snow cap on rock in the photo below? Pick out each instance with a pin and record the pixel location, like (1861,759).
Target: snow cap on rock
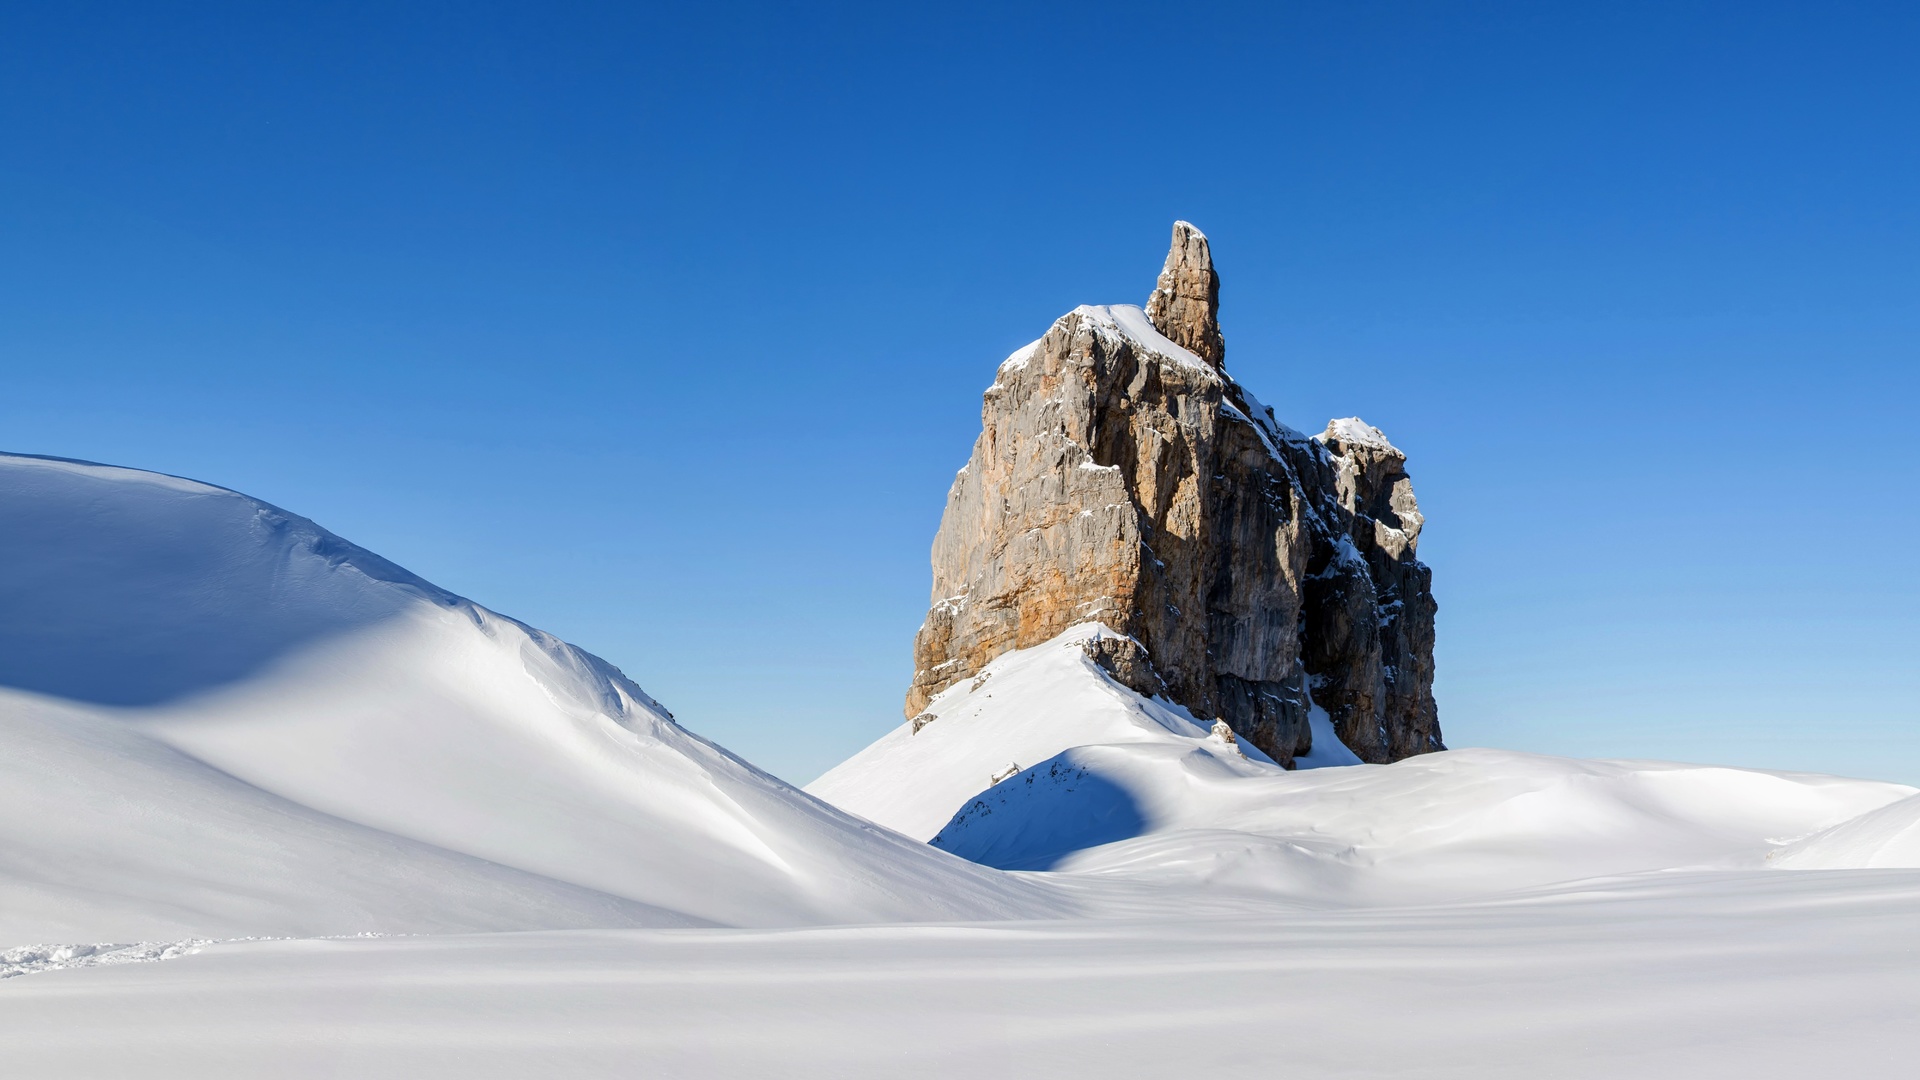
(1352,431)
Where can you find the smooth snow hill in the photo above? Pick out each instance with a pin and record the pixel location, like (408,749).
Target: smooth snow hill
(218,719)
(1044,762)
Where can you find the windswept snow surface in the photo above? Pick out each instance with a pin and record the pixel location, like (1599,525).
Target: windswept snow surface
(1751,975)
(218,719)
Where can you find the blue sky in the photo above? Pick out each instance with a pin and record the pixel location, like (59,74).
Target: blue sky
(664,327)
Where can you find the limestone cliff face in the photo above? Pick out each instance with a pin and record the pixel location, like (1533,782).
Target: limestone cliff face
(1122,477)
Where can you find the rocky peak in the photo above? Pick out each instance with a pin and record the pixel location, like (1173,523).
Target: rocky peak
(1185,305)
(1252,575)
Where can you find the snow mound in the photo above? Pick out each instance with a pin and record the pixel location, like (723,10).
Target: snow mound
(1023,708)
(1044,762)
(1450,825)
(219,719)
(1887,838)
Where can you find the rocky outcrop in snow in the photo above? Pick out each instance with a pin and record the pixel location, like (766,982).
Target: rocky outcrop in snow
(1121,476)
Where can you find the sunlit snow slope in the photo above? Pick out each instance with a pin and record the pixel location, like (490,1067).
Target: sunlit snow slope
(1885,838)
(1046,763)
(216,718)
(1024,708)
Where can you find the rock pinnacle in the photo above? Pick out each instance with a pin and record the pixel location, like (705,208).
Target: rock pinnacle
(1185,305)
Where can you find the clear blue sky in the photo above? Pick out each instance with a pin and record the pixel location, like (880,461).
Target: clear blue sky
(663,327)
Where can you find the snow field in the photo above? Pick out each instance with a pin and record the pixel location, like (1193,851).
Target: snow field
(1750,974)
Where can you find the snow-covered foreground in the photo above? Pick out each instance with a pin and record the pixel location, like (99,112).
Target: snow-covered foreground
(479,851)
(1743,974)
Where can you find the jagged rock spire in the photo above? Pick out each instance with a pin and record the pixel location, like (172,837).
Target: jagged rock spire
(1185,305)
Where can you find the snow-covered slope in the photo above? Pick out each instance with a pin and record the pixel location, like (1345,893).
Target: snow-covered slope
(1023,708)
(218,718)
(1047,763)
(106,834)
(1455,824)
(1884,838)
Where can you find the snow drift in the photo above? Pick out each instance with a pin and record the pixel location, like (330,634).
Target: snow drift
(1045,762)
(1887,838)
(217,719)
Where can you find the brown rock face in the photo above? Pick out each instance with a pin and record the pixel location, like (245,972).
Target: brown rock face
(1122,477)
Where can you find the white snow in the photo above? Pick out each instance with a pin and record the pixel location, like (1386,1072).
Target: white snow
(106,833)
(1357,432)
(1887,837)
(1328,751)
(1025,706)
(1229,410)
(1124,788)
(1017,359)
(1116,321)
(219,721)
(30,959)
(1752,975)
(1131,323)
(1456,825)
(1263,417)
